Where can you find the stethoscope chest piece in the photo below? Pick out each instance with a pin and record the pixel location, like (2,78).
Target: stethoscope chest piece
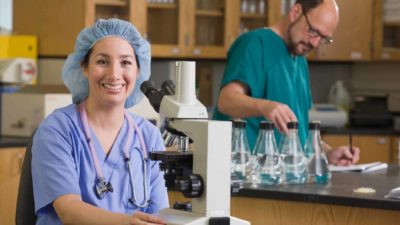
(102,187)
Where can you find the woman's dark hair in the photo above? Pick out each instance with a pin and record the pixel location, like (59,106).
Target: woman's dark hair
(307,5)
(85,61)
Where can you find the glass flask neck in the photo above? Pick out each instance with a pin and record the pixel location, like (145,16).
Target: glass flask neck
(266,143)
(239,140)
(292,143)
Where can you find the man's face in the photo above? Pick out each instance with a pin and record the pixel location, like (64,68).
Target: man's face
(311,29)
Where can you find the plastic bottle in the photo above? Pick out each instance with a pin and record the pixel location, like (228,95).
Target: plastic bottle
(266,165)
(318,170)
(293,160)
(339,96)
(241,156)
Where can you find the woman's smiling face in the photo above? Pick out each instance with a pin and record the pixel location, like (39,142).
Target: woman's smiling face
(111,71)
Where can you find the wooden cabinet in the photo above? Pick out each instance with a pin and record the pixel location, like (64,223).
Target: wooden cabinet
(10,171)
(386,35)
(186,28)
(373,147)
(175,28)
(57,23)
(353,37)
(199,28)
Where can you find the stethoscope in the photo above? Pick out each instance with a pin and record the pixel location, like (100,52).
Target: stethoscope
(102,186)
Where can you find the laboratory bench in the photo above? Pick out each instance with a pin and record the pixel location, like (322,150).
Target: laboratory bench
(8,142)
(358,131)
(335,203)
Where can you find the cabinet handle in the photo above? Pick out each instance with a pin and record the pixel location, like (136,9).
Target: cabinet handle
(382,141)
(175,51)
(356,55)
(197,51)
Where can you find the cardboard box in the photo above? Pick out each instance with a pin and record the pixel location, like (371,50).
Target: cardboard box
(23,112)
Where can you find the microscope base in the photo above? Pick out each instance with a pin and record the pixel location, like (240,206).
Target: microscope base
(179,217)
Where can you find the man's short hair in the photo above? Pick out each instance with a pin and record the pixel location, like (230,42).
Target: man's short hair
(309,4)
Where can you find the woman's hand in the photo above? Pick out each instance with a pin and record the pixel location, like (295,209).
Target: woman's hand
(141,218)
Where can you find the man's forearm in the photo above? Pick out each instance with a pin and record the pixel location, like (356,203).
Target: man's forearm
(238,105)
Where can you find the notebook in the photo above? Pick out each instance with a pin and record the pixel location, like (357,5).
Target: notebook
(367,167)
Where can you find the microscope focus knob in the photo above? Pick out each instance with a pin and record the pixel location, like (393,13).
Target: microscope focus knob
(191,186)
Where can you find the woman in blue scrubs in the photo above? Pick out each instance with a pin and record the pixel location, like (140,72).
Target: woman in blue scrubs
(89,159)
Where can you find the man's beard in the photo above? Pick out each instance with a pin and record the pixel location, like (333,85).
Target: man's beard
(292,44)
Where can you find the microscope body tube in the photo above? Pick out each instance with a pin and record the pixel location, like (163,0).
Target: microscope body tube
(186,82)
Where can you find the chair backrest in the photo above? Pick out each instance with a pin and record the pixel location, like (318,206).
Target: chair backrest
(25,212)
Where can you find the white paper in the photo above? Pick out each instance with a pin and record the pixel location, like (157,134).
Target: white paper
(367,167)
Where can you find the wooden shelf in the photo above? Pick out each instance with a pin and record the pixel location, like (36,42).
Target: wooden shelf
(215,13)
(120,3)
(161,6)
(252,16)
(392,24)
(390,53)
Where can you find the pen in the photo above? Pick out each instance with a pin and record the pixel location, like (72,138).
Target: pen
(351,142)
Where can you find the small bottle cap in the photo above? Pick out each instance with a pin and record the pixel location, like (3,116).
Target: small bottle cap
(266,125)
(238,123)
(314,125)
(292,125)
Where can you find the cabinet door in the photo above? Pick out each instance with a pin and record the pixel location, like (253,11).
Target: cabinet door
(162,23)
(373,147)
(10,171)
(395,148)
(210,28)
(386,31)
(55,23)
(352,39)
(106,9)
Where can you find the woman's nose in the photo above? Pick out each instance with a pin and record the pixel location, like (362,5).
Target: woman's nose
(114,70)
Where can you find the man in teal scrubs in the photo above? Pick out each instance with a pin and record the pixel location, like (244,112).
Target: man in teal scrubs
(266,76)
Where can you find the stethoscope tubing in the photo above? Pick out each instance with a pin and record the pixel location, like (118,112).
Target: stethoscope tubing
(128,143)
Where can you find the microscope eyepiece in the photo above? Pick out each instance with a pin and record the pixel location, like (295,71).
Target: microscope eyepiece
(168,87)
(147,87)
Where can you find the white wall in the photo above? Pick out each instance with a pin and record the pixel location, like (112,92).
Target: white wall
(6,14)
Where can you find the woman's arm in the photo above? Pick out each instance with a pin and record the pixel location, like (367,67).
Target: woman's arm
(72,210)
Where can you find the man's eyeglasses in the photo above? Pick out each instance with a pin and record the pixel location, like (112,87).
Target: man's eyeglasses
(312,32)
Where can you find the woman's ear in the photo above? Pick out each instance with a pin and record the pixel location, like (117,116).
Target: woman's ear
(295,12)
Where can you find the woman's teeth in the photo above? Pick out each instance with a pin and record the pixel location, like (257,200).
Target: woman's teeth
(113,86)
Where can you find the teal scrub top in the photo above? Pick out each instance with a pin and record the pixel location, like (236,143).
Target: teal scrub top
(261,60)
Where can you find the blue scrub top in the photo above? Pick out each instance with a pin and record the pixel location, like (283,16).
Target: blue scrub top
(261,60)
(62,164)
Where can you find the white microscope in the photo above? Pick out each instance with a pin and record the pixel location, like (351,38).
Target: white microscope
(209,183)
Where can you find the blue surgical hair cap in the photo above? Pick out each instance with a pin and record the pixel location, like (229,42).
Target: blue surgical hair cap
(72,73)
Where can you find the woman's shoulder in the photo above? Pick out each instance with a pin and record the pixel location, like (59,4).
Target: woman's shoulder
(62,117)
(142,122)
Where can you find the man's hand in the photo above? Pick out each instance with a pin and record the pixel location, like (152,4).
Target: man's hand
(343,156)
(280,114)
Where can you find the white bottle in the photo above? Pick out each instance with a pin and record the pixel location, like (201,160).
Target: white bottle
(339,96)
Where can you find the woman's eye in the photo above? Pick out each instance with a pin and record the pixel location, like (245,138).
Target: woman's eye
(126,62)
(101,62)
